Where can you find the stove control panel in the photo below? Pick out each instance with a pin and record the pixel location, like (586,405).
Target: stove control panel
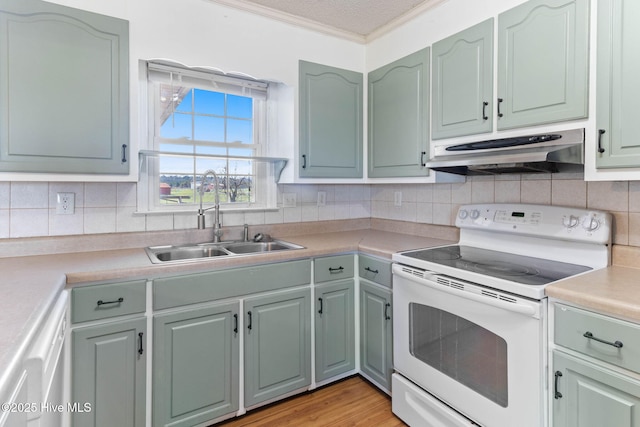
(538,220)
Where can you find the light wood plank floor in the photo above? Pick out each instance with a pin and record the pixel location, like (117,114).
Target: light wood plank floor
(351,402)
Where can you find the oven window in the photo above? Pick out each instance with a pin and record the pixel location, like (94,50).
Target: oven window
(466,352)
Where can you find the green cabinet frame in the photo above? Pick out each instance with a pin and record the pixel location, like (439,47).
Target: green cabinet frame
(588,395)
(376,333)
(335,329)
(618,88)
(399,117)
(109,374)
(543,63)
(64,90)
(330,122)
(277,345)
(462,90)
(195,365)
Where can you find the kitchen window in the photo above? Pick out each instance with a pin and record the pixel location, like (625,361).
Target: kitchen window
(201,120)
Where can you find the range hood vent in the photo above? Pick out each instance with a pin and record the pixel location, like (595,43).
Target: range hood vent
(542,153)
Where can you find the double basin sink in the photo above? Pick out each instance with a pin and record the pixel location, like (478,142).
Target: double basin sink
(183,253)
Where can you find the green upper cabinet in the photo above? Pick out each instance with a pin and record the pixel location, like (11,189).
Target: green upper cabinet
(618,87)
(330,122)
(462,72)
(543,58)
(399,117)
(64,90)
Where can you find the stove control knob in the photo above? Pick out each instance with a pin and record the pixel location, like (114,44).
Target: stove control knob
(570,221)
(463,214)
(590,223)
(475,214)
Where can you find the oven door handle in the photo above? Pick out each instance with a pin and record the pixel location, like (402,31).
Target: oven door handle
(430,280)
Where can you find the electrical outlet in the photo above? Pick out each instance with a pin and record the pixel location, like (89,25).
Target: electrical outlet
(322,198)
(289,200)
(397,198)
(65,203)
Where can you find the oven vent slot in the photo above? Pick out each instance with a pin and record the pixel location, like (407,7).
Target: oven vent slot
(501,297)
(450,283)
(413,272)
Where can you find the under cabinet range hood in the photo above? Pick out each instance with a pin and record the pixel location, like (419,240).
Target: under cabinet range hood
(549,152)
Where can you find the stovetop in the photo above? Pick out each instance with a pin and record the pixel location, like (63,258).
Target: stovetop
(516,268)
(519,248)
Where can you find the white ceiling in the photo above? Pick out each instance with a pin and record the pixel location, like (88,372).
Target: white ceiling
(359,20)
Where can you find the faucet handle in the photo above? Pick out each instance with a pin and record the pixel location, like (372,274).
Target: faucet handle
(245,233)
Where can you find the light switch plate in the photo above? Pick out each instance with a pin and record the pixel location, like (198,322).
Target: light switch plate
(289,200)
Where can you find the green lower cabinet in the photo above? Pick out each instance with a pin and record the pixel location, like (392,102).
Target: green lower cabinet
(587,395)
(109,374)
(277,345)
(334,327)
(195,365)
(376,339)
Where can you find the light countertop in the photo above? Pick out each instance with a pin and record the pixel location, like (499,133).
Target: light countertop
(30,285)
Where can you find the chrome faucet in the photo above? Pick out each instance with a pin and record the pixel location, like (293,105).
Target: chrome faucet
(217,229)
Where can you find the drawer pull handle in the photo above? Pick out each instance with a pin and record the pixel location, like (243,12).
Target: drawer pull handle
(589,335)
(124,153)
(500,102)
(556,393)
(250,325)
(320,311)
(386,311)
(336,270)
(235,319)
(140,348)
(422,154)
(118,301)
(370,270)
(484,110)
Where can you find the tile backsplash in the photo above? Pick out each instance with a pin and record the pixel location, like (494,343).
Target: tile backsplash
(28,209)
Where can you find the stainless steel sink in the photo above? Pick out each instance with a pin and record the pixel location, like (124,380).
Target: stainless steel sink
(196,252)
(253,247)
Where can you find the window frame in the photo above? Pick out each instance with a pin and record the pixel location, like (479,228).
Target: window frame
(263,188)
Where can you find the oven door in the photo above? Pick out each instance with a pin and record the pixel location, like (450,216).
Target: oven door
(480,352)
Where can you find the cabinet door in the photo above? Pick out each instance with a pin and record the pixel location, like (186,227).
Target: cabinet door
(376,339)
(335,324)
(399,117)
(195,365)
(618,88)
(109,374)
(277,339)
(463,83)
(330,122)
(64,90)
(592,396)
(543,58)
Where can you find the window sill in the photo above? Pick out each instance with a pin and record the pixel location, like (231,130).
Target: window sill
(194,211)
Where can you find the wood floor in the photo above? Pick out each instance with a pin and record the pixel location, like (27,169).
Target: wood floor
(351,402)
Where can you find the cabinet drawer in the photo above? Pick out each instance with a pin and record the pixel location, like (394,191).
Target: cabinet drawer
(375,269)
(580,330)
(333,268)
(109,300)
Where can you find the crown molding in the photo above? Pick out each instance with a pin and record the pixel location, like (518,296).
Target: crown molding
(309,24)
